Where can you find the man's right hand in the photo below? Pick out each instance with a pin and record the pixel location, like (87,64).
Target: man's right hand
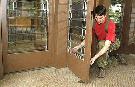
(74,50)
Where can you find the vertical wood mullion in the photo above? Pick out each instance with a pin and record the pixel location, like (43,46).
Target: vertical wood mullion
(88,36)
(1,62)
(4,30)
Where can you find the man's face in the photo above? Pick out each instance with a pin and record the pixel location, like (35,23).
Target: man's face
(100,19)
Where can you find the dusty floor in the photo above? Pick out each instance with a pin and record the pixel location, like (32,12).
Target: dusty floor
(119,76)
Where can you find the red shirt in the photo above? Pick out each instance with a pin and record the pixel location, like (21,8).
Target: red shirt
(102,34)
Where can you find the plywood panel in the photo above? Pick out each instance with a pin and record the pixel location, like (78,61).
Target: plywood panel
(23,61)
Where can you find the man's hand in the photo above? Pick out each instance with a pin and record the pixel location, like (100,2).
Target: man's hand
(92,61)
(74,50)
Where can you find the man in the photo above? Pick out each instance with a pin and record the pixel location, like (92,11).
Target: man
(105,39)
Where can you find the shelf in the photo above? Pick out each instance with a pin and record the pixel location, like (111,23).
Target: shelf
(23,1)
(11,17)
(31,17)
(10,25)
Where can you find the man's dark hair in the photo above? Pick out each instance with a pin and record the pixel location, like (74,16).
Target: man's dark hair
(100,10)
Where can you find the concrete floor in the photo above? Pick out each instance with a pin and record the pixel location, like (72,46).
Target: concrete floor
(118,76)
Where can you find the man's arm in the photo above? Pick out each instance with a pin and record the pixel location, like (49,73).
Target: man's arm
(102,51)
(82,44)
(74,50)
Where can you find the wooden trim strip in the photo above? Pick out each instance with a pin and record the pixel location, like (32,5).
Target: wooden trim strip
(4,30)
(1,62)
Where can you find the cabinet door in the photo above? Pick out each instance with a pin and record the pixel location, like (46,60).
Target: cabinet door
(79,29)
(25,34)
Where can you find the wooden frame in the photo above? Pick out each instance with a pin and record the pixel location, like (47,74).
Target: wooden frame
(1,62)
(61,15)
(17,62)
(56,54)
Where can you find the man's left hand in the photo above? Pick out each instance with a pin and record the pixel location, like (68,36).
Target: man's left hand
(92,61)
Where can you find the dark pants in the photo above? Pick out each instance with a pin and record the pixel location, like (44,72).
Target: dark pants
(102,61)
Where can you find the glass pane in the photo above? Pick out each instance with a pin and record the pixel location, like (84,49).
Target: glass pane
(27,25)
(77,25)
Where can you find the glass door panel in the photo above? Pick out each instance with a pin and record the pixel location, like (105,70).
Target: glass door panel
(77,25)
(27,25)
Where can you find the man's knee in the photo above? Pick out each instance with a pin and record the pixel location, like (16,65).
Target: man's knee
(101,44)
